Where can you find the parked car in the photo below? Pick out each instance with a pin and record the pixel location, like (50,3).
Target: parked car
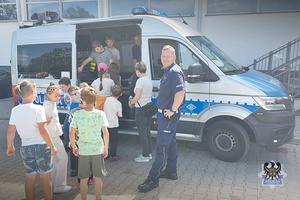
(5,84)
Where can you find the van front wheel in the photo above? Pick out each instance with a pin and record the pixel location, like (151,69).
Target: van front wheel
(227,140)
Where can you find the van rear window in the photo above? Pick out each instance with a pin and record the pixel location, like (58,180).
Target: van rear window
(44,60)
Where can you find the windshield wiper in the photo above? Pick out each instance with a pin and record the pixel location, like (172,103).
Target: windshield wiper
(235,71)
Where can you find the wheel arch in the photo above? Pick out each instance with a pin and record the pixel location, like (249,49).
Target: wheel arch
(235,119)
(228,112)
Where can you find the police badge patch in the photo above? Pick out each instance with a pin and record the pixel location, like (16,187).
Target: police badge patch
(272,174)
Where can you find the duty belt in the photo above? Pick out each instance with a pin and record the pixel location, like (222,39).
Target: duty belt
(162,110)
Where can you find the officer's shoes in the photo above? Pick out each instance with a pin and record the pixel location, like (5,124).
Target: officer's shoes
(167,175)
(148,185)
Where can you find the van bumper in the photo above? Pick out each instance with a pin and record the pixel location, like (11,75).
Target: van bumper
(272,128)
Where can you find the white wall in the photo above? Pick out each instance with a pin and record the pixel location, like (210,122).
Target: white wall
(246,37)
(5,41)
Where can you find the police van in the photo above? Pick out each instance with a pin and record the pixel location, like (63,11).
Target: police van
(227,106)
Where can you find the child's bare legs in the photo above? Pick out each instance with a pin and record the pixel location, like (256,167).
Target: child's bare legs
(47,185)
(83,188)
(98,187)
(30,186)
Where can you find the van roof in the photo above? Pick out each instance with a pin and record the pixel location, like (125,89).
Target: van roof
(154,25)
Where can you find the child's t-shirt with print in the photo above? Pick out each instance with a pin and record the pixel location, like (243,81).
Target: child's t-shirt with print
(89,125)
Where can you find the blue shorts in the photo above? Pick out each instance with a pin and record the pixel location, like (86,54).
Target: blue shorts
(36,158)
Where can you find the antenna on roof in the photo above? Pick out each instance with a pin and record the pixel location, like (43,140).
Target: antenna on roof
(183,21)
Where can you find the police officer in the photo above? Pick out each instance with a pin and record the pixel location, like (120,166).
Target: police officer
(170,98)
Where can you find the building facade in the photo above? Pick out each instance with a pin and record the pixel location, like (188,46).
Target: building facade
(244,29)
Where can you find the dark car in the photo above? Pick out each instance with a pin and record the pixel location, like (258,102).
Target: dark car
(5,84)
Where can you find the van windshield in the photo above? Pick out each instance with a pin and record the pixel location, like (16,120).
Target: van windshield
(215,54)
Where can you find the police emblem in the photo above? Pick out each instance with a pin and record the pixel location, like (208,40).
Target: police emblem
(272,174)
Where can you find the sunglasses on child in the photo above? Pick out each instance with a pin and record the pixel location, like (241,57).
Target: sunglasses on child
(74,94)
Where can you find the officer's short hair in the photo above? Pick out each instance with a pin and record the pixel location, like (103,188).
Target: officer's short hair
(169,47)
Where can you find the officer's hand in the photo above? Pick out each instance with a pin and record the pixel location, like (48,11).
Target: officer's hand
(168,113)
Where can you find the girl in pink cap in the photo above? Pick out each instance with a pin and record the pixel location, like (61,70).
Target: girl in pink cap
(102,85)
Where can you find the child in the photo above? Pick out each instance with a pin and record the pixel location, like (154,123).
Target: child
(114,73)
(83,84)
(99,54)
(60,160)
(73,91)
(65,84)
(102,85)
(113,110)
(109,40)
(75,105)
(90,122)
(31,123)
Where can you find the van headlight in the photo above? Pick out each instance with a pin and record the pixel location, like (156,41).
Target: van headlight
(271,103)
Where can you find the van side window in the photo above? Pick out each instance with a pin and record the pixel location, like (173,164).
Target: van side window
(44,60)
(184,57)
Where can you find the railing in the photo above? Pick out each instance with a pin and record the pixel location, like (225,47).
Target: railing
(284,64)
(278,57)
(289,75)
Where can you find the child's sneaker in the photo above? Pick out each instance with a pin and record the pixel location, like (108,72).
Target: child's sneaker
(141,158)
(91,181)
(114,158)
(62,189)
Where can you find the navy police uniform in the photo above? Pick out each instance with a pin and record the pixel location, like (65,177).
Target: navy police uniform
(166,151)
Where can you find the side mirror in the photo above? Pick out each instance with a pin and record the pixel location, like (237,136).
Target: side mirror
(195,73)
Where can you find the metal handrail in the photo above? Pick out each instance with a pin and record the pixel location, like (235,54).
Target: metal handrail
(282,63)
(277,57)
(289,75)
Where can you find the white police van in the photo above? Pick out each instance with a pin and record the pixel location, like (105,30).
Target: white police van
(227,106)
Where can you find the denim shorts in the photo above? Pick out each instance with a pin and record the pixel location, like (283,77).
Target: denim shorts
(36,158)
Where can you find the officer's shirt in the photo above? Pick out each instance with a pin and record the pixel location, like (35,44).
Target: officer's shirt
(171,82)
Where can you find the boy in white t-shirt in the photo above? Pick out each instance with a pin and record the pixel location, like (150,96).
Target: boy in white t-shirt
(113,110)
(37,145)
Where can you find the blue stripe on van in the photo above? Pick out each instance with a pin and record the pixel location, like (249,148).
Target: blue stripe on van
(194,107)
(40,100)
(190,107)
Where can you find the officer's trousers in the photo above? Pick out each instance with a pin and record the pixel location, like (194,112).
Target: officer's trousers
(166,150)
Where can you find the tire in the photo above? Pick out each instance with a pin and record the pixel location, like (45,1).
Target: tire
(227,140)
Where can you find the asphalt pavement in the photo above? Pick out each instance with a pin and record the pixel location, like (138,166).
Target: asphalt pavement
(200,175)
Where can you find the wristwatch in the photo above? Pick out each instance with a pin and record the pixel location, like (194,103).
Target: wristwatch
(173,111)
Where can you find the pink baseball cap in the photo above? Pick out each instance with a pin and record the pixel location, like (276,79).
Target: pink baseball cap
(102,66)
